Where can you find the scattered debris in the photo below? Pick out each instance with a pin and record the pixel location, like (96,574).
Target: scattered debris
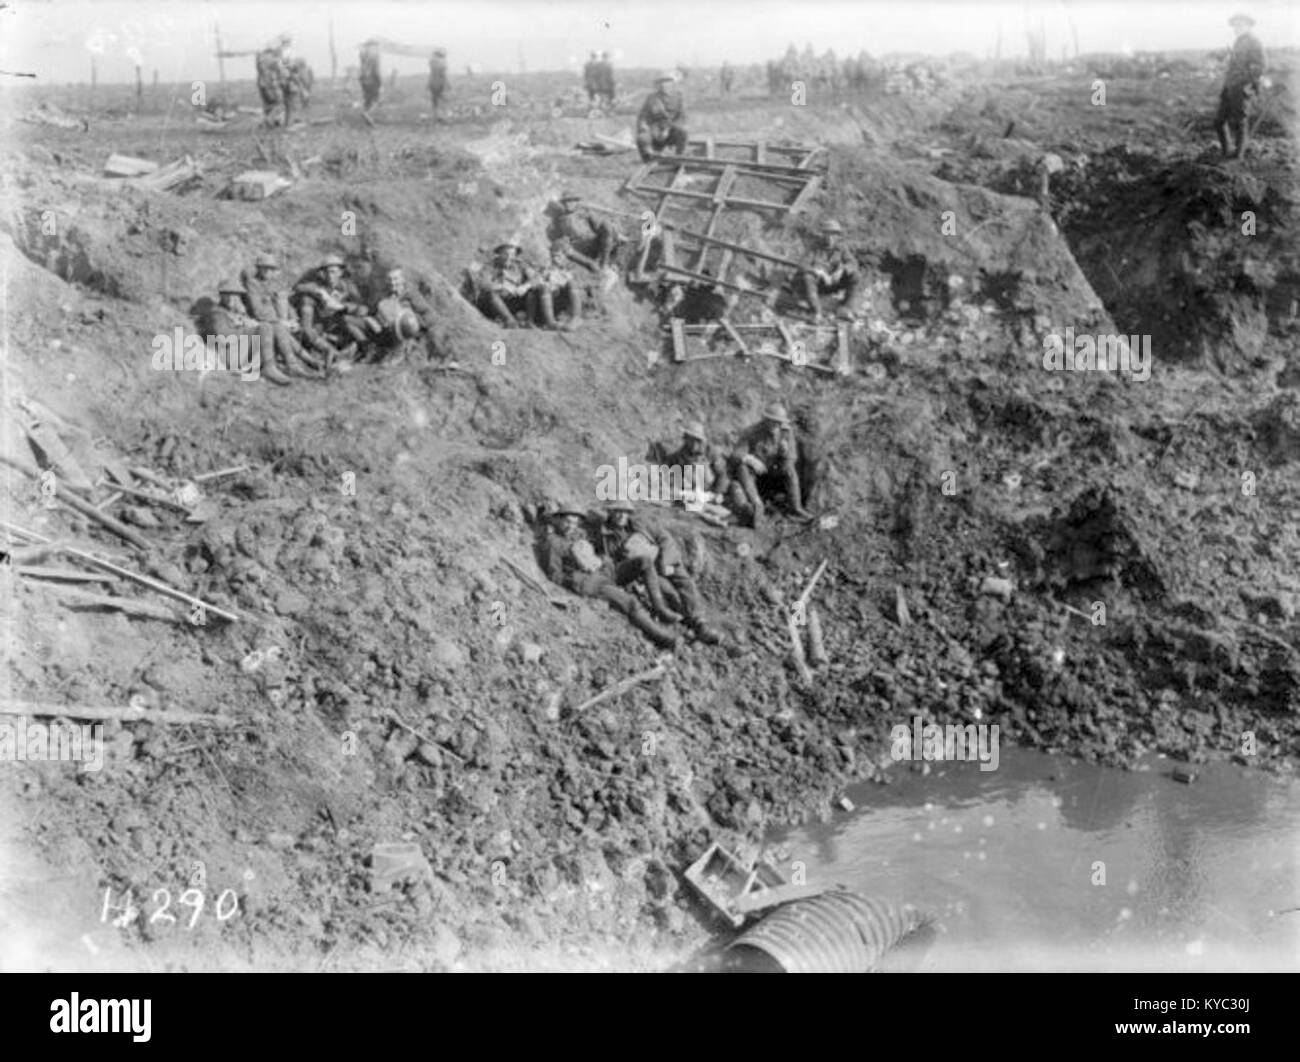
(257,184)
(128,714)
(127,166)
(649,675)
(723,882)
(397,863)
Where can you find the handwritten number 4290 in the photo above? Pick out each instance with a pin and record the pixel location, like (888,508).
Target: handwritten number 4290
(193,898)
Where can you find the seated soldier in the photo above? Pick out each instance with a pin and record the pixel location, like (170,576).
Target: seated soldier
(502,290)
(623,539)
(592,239)
(555,289)
(399,319)
(268,302)
(835,272)
(764,465)
(570,560)
(695,452)
(230,318)
(331,311)
(661,123)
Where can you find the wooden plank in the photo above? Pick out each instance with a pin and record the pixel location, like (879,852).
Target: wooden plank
(767,170)
(726,326)
(679,339)
(801,200)
(760,152)
(681,193)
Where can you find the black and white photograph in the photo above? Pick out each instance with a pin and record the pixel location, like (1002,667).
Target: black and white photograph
(650,487)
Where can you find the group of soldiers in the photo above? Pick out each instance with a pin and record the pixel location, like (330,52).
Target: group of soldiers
(312,327)
(614,553)
(514,292)
(598,80)
(284,82)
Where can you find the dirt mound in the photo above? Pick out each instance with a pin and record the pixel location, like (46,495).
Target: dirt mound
(393,680)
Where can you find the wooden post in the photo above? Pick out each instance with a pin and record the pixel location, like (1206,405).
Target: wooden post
(221,62)
(334,60)
(139,89)
(94,73)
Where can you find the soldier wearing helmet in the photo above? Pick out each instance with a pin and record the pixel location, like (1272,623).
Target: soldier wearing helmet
(1246,66)
(592,239)
(661,123)
(268,303)
(372,81)
(331,310)
(570,559)
(835,271)
(272,77)
(764,466)
(230,318)
(502,290)
(400,316)
(649,554)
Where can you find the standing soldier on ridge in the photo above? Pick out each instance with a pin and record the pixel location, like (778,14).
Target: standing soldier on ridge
(437,78)
(1240,83)
(372,81)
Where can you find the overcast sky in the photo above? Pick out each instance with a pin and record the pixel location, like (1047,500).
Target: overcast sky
(55,38)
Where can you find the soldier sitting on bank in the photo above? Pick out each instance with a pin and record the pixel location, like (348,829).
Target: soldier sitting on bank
(230,317)
(592,239)
(400,319)
(331,311)
(501,291)
(764,468)
(624,538)
(569,558)
(268,303)
(835,272)
(555,290)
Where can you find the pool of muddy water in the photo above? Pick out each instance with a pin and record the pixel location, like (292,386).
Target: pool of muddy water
(1049,864)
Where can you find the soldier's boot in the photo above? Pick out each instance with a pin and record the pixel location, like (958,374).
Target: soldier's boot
(1243,136)
(749,492)
(795,494)
(642,621)
(703,631)
(546,309)
(1222,130)
(655,592)
(270,372)
(500,311)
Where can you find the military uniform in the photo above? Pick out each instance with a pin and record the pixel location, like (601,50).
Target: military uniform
(272,74)
(437,79)
(332,315)
(835,271)
(570,561)
(400,315)
(555,288)
(764,463)
(629,545)
(269,305)
(505,289)
(233,320)
(1241,81)
(661,123)
(371,79)
(591,240)
(297,88)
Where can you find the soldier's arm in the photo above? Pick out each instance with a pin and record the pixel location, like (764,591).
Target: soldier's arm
(307,315)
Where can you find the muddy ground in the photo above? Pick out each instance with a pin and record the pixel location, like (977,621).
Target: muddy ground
(555,839)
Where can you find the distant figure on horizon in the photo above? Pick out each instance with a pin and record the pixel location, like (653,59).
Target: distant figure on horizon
(1240,83)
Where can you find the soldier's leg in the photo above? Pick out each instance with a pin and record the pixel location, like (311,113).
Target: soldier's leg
(753,503)
(544,307)
(630,607)
(644,146)
(642,570)
(677,139)
(849,289)
(1221,123)
(265,337)
(688,597)
(494,307)
(573,295)
(810,293)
